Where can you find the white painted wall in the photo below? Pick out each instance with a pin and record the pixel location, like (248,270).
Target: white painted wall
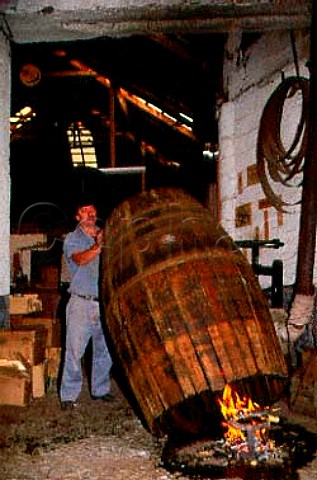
(249,86)
(5,83)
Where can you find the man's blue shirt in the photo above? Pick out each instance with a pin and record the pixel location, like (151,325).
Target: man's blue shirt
(84,278)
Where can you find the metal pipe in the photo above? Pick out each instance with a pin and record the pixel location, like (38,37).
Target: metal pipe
(123,170)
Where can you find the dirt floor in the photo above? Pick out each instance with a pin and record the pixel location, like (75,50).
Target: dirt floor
(101,440)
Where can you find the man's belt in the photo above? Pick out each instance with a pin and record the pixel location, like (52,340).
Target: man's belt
(86,297)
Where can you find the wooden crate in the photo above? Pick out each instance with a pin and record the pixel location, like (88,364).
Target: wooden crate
(53,327)
(15,387)
(28,343)
(24,304)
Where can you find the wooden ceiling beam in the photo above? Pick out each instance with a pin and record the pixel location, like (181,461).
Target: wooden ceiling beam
(125,95)
(83,20)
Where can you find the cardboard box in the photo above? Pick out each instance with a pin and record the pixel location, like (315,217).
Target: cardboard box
(27,344)
(15,386)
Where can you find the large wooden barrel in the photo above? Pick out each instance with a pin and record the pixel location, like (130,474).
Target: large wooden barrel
(184,313)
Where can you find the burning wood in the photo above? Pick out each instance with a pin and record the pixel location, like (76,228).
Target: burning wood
(256,444)
(247,435)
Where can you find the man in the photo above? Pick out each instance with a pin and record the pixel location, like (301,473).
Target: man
(82,249)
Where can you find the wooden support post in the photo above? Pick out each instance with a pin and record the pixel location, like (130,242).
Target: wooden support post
(112,128)
(308,221)
(304,300)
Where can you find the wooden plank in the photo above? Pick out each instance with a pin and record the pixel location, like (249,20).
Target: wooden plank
(39,379)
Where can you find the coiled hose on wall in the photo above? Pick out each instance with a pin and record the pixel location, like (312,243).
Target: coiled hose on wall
(273,159)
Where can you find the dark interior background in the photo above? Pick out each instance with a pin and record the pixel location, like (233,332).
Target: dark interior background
(175,73)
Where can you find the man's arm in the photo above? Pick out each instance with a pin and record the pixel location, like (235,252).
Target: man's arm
(86,256)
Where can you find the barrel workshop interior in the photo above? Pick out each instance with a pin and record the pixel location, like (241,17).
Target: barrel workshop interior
(202,167)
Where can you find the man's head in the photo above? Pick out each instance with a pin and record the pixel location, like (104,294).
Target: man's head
(86,214)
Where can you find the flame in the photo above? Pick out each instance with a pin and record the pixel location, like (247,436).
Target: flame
(238,411)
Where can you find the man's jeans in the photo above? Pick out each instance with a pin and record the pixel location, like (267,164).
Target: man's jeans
(82,323)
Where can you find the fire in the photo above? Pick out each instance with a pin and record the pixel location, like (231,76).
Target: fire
(234,409)
(247,424)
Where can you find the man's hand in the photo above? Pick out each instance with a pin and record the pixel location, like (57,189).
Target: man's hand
(99,237)
(82,258)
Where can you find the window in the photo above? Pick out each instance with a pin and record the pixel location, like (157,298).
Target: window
(81,144)
(21,118)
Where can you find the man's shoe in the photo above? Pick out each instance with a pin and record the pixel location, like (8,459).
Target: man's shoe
(68,405)
(108,397)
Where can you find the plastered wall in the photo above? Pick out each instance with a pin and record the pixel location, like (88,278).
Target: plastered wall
(5,82)
(250,78)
